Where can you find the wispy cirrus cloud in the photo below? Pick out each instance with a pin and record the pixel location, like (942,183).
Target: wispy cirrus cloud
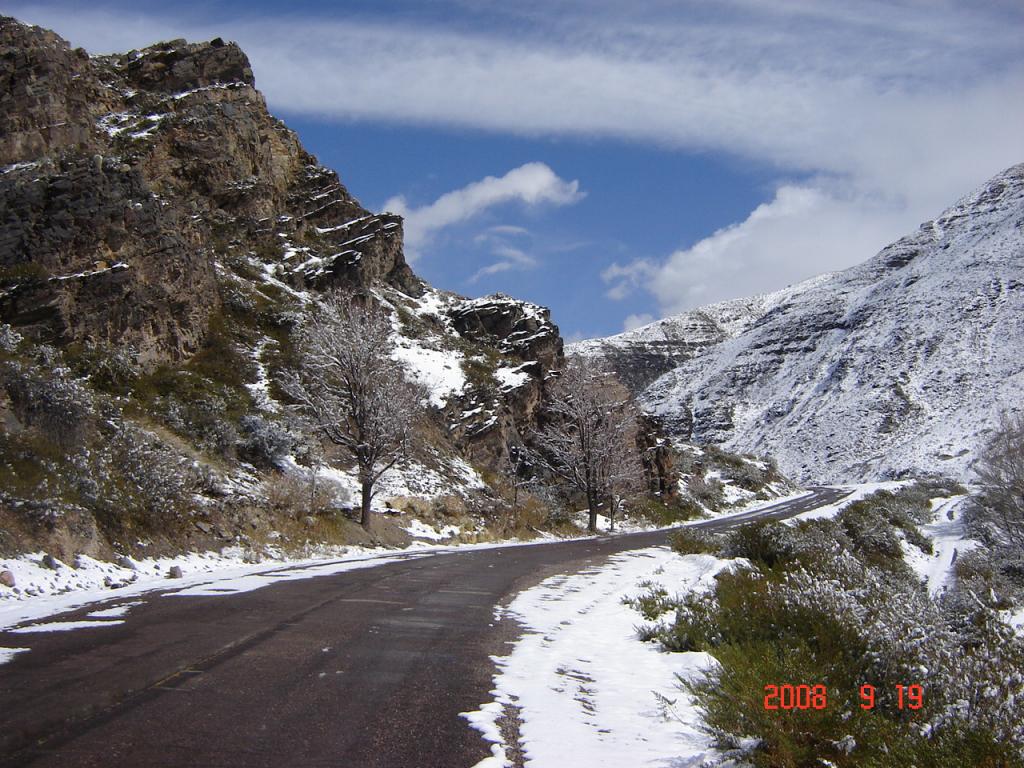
(508,259)
(532,184)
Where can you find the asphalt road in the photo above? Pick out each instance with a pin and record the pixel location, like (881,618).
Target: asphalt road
(363,669)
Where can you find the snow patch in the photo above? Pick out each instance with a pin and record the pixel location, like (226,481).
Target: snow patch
(440,371)
(421,530)
(949,541)
(6,654)
(585,686)
(62,626)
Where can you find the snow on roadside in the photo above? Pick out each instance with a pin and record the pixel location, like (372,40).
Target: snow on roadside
(752,506)
(63,626)
(949,540)
(421,530)
(41,591)
(6,654)
(585,685)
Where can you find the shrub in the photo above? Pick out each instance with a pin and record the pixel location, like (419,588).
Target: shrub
(479,371)
(660,512)
(10,339)
(694,541)
(108,368)
(49,400)
(845,623)
(651,603)
(293,497)
(768,543)
(870,532)
(137,485)
(707,490)
(263,441)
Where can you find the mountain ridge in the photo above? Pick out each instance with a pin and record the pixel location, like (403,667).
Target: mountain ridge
(915,351)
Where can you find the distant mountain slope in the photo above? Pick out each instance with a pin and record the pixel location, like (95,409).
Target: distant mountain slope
(901,363)
(643,354)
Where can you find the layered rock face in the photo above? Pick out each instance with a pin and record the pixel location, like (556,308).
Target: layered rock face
(902,364)
(148,197)
(127,179)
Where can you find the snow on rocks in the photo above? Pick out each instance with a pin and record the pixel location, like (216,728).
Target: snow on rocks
(439,370)
(585,689)
(512,378)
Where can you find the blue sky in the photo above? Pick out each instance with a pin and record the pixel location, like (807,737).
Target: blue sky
(623,161)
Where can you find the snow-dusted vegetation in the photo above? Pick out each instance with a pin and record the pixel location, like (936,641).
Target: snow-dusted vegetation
(835,604)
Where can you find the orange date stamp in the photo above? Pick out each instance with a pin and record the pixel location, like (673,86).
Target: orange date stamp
(805,697)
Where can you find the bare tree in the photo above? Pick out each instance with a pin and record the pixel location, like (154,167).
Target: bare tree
(589,438)
(347,382)
(1000,471)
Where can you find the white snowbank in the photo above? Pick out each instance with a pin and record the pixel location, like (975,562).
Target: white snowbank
(421,530)
(6,654)
(40,591)
(62,626)
(949,540)
(585,685)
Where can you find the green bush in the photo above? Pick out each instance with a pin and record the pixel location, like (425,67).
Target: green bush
(767,543)
(694,541)
(660,512)
(651,603)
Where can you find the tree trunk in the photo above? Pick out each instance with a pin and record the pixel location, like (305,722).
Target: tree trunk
(312,486)
(592,508)
(367,496)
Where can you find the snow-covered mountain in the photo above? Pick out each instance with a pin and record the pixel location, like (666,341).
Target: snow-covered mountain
(902,363)
(643,354)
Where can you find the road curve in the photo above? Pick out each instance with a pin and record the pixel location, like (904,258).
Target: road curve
(362,669)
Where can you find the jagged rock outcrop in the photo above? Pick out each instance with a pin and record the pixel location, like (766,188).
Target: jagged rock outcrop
(129,179)
(902,364)
(87,252)
(518,328)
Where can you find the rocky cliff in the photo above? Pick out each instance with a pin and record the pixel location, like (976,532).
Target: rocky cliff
(127,179)
(900,365)
(160,233)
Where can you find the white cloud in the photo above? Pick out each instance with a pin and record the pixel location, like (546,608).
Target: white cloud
(633,322)
(532,184)
(509,259)
(803,231)
(625,279)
